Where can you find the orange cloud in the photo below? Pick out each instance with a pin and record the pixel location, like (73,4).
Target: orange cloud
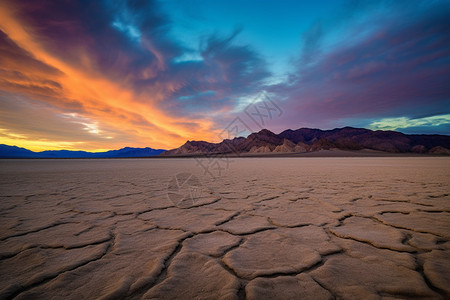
(122,117)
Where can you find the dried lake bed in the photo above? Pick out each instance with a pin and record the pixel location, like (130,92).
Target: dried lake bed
(265,228)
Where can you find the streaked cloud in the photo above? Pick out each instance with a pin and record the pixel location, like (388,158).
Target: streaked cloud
(398,68)
(403,122)
(59,67)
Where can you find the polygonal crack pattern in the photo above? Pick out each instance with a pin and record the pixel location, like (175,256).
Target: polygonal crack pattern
(268,228)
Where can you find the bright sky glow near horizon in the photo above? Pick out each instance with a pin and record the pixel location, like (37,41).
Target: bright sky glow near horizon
(98,75)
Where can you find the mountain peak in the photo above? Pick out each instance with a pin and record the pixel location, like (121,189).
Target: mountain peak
(313,139)
(266,132)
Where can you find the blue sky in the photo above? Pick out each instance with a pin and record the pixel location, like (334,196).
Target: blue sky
(274,28)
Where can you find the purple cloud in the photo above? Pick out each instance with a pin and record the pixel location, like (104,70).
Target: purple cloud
(400,69)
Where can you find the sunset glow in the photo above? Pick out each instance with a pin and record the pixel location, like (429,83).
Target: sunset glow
(95,75)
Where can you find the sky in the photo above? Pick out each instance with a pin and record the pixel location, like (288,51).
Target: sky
(100,75)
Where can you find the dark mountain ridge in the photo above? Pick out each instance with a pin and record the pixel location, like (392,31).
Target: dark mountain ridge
(17,152)
(307,140)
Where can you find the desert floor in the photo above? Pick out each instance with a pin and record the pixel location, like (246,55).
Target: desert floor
(264,228)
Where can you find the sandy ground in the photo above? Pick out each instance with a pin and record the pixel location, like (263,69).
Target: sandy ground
(264,228)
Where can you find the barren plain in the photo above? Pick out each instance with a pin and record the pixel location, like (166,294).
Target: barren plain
(265,228)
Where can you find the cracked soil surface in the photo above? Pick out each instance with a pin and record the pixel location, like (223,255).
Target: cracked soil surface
(267,228)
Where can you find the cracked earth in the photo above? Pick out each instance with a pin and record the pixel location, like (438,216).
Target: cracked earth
(285,228)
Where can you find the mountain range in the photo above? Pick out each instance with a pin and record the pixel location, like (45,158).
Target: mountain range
(263,142)
(309,140)
(16,152)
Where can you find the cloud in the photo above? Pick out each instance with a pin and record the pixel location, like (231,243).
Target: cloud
(27,120)
(21,72)
(404,122)
(226,72)
(95,35)
(312,39)
(399,68)
(116,64)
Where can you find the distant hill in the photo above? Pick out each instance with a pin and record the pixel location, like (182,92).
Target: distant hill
(289,141)
(16,152)
(309,140)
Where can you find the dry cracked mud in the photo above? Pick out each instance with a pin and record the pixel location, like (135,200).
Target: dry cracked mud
(266,228)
